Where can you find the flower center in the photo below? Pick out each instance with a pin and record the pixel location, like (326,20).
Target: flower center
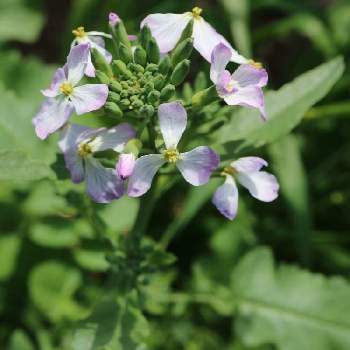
(228,171)
(256,65)
(66,88)
(84,149)
(79,32)
(196,12)
(171,155)
(230,86)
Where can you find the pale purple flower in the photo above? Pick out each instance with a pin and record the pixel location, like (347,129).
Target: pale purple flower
(95,41)
(64,96)
(79,145)
(125,165)
(195,166)
(247,170)
(167,28)
(244,86)
(113,19)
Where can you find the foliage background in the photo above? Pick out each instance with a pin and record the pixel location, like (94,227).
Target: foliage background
(235,285)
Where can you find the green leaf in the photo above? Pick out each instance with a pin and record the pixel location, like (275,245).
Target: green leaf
(9,249)
(20,341)
(289,307)
(294,188)
(18,22)
(54,284)
(285,107)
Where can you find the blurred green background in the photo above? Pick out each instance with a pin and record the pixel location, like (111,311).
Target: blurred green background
(52,248)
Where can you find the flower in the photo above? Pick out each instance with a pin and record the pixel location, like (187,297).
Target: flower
(125,165)
(244,86)
(246,170)
(63,96)
(113,19)
(195,166)
(167,29)
(95,40)
(79,145)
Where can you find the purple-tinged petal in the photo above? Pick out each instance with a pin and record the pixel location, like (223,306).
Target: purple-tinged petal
(90,70)
(125,165)
(103,184)
(94,34)
(220,57)
(114,138)
(107,55)
(58,79)
(172,122)
(141,179)
(249,164)
(206,38)
(76,62)
(226,198)
(166,28)
(132,37)
(89,97)
(197,165)
(248,75)
(113,18)
(223,83)
(52,115)
(68,146)
(260,184)
(251,96)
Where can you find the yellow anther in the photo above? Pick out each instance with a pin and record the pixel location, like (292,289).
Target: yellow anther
(228,171)
(66,89)
(171,155)
(79,32)
(257,65)
(84,149)
(230,86)
(196,12)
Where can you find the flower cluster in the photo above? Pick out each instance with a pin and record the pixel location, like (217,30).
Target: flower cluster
(135,84)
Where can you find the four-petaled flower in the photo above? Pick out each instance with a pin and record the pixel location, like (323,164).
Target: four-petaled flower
(244,86)
(96,41)
(64,95)
(195,166)
(79,145)
(167,28)
(246,170)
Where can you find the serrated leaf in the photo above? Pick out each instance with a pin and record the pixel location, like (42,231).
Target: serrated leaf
(289,307)
(285,107)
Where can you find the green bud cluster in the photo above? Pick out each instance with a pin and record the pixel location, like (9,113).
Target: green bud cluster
(139,79)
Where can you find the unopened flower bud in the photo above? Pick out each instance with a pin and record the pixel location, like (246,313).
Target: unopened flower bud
(164,65)
(102,77)
(153,97)
(114,109)
(113,96)
(100,63)
(125,165)
(153,53)
(180,72)
(182,51)
(113,19)
(140,56)
(167,93)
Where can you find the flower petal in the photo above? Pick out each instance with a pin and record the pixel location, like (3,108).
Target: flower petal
(249,164)
(247,74)
(114,138)
(100,48)
(172,121)
(166,28)
(260,184)
(223,82)
(53,114)
(251,96)
(125,165)
(220,57)
(113,19)
(197,165)
(89,97)
(90,70)
(54,89)
(206,38)
(103,184)
(226,198)
(141,179)
(95,33)
(76,62)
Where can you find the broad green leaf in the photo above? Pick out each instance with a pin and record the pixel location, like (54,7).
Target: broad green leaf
(285,107)
(20,341)
(287,162)
(9,248)
(92,259)
(289,307)
(114,324)
(52,286)
(18,22)
(238,13)
(22,155)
